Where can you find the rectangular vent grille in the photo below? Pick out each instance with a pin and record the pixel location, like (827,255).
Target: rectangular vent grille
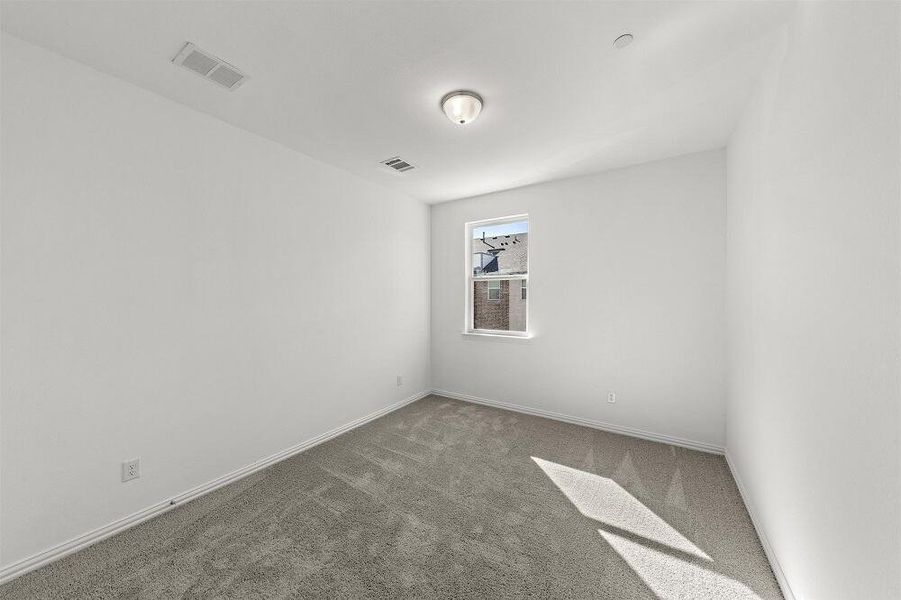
(398,164)
(209,67)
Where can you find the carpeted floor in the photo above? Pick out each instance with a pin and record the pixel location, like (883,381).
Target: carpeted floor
(443,499)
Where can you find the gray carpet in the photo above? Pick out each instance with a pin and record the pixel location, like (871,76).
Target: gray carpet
(443,499)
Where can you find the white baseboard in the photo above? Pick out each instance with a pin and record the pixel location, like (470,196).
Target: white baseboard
(40,559)
(630,431)
(781,579)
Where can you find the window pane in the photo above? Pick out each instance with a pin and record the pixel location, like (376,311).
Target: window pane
(496,308)
(524,285)
(500,249)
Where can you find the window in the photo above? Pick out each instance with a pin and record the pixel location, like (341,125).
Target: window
(498,250)
(494,290)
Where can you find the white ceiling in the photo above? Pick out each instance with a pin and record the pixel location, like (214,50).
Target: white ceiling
(352,84)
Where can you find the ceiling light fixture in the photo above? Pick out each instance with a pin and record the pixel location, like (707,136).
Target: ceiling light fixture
(462,107)
(623,41)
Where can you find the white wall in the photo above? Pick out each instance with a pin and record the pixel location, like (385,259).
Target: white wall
(626,294)
(813,302)
(182,291)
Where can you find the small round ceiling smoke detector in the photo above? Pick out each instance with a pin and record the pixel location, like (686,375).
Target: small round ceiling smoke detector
(623,41)
(462,107)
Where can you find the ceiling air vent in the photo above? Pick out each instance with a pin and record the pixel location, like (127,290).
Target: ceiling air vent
(209,67)
(398,164)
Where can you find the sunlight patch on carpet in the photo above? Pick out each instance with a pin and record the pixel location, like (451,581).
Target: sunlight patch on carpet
(672,578)
(604,500)
(669,563)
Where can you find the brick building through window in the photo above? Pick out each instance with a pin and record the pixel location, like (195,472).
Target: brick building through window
(500,270)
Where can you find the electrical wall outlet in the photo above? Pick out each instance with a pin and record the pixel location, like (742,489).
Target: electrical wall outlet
(611,397)
(131,469)
(400,380)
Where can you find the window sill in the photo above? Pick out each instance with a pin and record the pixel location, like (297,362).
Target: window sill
(498,337)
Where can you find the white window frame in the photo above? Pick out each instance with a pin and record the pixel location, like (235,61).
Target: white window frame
(469,328)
